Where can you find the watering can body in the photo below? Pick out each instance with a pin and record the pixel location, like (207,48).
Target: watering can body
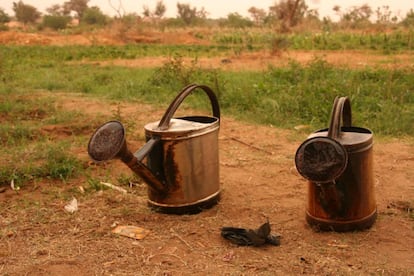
(179,162)
(348,203)
(343,200)
(187,159)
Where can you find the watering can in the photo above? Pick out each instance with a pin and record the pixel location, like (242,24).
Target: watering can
(181,154)
(338,164)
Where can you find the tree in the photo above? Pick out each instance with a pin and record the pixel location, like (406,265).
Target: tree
(25,13)
(186,13)
(55,10)
(119,10)
(235,20)
(56,22)
(94,16)
(357,16)
(159,11)
(56,18)
(146,11)
(4,17)
(408,21)
(190,15)
(258,15)
(384,16)
(289,12)
(77,6)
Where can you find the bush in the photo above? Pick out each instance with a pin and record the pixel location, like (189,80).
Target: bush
(3,27)
(4,17)
(94,16)
(56,22)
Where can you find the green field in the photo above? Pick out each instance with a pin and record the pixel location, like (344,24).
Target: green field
(297,94)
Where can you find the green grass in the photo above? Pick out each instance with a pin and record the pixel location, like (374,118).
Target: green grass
(39,160)
(382,99)
(384,42)
(28,153)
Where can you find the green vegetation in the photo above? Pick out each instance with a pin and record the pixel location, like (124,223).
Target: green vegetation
(55,22)
(250,40)
(29,152)
(298,94)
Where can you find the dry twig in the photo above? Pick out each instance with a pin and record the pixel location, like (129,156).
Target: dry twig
(112,186)
(251,146)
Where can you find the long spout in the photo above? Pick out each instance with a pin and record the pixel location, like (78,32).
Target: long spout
(108,142)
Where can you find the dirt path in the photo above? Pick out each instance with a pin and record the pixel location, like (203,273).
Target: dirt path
(262,60)
(258,183)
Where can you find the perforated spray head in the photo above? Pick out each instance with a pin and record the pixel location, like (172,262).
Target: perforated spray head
(107,141)
(321,159)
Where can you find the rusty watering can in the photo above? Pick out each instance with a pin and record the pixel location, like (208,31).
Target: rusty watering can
(338,164)
(182,162)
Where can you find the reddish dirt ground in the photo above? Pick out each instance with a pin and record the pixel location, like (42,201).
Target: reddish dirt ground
(259,181)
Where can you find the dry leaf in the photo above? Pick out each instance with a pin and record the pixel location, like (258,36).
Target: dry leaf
(72,206)
(129,231)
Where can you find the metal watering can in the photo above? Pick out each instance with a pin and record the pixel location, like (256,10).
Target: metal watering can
(182,162)
(338,163)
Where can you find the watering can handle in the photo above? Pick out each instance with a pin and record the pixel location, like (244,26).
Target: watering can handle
(341,112)
(165,120)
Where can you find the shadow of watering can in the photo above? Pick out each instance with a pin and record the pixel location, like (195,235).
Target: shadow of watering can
(338,164)
(182,163)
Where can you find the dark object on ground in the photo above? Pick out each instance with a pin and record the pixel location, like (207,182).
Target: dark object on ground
(249,237)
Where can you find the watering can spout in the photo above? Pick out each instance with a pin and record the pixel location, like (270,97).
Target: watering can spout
(179,161)
(108,142)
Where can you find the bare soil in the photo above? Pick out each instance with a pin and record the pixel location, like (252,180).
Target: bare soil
(259,181)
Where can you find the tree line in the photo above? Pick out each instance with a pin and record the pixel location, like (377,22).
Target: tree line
(282,15)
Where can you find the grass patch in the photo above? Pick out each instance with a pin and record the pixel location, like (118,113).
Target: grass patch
(298,94)
(382,99)
(29,152)
(42,160)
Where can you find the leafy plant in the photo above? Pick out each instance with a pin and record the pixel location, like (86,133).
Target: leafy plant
(55,22)
(176,73)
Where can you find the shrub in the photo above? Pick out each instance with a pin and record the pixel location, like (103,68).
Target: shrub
(55,22)
(94,16)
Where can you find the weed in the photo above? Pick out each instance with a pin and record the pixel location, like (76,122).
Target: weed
(16,134)
(278,44)
(177,73)
(382,99)
(39,161)
(174,72)
(95,185)
(60,164)
(127,180)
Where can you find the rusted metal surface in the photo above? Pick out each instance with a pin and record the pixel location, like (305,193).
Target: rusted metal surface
(107,141)
(190,166)
(341,182)
(321,160)
(181,154)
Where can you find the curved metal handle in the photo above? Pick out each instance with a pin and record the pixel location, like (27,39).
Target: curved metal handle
(341,113)
(165,120)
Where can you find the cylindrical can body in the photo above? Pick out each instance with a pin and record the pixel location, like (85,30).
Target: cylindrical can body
(187,157)
(348,203)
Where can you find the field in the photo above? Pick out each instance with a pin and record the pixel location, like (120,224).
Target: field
(56,89)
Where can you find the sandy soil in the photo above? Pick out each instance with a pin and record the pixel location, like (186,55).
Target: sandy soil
(258,181)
